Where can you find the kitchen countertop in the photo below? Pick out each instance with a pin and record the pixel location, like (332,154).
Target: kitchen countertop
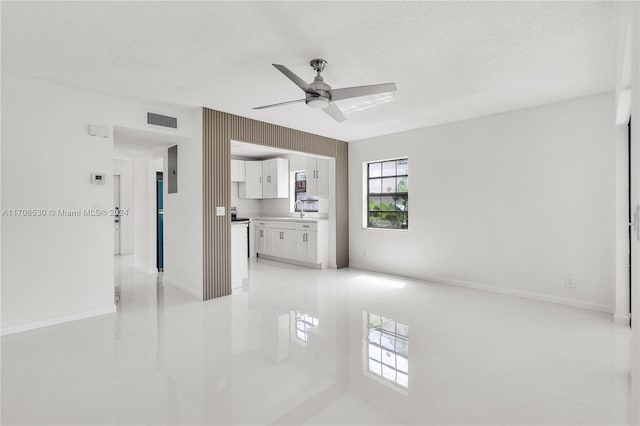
(289,219)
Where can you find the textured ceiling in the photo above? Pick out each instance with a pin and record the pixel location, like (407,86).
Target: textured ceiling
(450,60)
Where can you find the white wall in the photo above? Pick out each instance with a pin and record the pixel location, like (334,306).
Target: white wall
(60,268)
(124,168)
(183,253)
(141,209)
(628,102)
(246,208)
(515,201)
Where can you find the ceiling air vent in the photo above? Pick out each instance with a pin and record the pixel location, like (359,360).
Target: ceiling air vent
(162,120)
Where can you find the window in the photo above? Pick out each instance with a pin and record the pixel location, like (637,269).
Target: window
(388,194)
(388,349)
(309,204)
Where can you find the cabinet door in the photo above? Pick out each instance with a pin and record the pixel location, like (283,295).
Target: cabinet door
(253,183)
(280,178)
(288,244)
(301,246)
(238,171)
(312,186)
(312,246)
(322,177)
(278,242)
(267,179)
(261,238)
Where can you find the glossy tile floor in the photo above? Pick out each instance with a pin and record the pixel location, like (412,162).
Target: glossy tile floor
(300,346)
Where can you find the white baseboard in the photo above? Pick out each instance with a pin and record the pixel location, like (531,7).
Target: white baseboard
(559,300)
(621,319)
(180,286)
(45,322)
(291,261)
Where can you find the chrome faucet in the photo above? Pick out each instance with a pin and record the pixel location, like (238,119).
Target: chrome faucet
(301,208)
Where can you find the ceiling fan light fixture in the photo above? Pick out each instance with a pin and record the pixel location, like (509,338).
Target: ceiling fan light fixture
(317,102)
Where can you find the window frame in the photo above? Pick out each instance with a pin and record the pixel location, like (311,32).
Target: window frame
(296,192)
(367,194)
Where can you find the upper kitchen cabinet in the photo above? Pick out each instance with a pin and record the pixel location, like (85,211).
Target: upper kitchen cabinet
(238,171)
(275,178)
(251,188)
(317,177)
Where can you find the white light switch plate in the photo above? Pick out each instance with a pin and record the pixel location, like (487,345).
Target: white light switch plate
(220,211)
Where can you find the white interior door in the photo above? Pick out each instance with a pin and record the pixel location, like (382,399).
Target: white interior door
(116,219)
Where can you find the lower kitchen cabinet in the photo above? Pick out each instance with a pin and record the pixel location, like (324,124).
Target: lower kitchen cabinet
(307,246)
(300,242)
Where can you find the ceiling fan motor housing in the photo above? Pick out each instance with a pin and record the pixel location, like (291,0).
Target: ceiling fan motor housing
(322,98)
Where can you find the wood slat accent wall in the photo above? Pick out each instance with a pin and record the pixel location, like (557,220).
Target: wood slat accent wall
(219,129)
(216,186)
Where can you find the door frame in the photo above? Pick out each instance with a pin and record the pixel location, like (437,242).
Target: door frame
(117,184)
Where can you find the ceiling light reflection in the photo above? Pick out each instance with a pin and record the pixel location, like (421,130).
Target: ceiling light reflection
(366,103)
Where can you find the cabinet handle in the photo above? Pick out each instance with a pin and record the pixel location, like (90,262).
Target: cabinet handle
(317,173)
(303,238)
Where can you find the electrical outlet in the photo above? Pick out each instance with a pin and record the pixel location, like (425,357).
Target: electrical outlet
(364,253)
(570,281)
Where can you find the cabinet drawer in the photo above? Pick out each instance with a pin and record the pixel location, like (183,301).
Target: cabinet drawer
(307,226)
(281,225)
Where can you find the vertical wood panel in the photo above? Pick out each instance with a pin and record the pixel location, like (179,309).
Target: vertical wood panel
(219,129)
(342,204)
(216,192)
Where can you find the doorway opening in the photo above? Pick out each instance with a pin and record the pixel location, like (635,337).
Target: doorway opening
(159,222)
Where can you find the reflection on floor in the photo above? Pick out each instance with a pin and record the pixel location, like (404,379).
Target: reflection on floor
(297,345)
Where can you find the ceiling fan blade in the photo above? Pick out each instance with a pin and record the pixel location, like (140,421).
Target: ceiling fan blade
(293,77)
(280,104)
(335,112)
(357,91)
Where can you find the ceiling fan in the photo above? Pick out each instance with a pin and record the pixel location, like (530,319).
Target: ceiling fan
(320,95)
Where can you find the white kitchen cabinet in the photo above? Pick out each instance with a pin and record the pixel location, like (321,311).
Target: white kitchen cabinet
(265,179)
(238,170)
(283,243)
(275,178)
(307,246)
(261,238)
(317,177)
(251,188)
(298,241)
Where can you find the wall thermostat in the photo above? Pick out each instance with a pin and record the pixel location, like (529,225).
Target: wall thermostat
(99,131)
(97,178)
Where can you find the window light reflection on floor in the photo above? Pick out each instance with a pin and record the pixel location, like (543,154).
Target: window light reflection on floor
(387,349)
(304,322)
(381,281)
